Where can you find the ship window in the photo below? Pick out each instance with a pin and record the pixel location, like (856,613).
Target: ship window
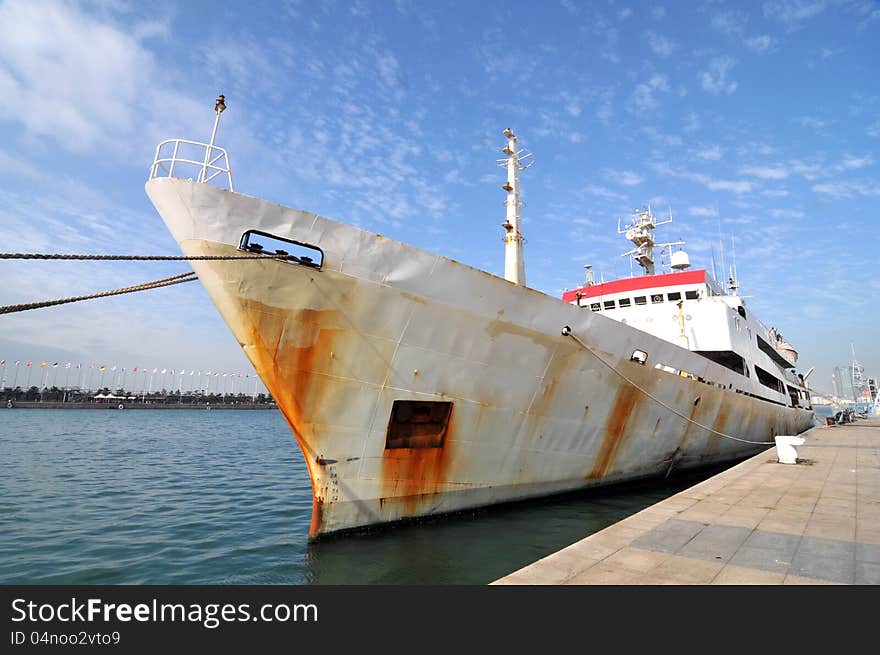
(726,358)
(674,296)
(691,295)
(741,311)
(418,424)
(609,304)
(623,302)
(793,394)
(641,300)
(657,297)
(263,243)
(769,380)
(771,352)
(595,307)
(639,356)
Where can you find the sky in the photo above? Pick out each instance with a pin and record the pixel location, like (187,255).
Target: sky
(757,124)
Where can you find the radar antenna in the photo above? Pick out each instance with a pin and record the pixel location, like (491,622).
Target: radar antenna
(641,232)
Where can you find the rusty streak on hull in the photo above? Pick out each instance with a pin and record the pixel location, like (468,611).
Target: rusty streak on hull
(622,412)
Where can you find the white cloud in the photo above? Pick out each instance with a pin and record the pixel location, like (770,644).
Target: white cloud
(849,162)
(792,12)
(709,212)
(602,192)
(627,178)
(766,172)
(732,23)
(714,80)
(569,6)
(810,121)
(84,83)
(712,153)
(659,44)
(713,184)
(761,43)
(786,213)
(658,12)
(643,94)
(624,13)
(844,189)
(873,129)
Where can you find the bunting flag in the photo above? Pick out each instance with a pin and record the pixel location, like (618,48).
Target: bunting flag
(30,363)
(164,370)
(17,362)
(135,369)
(55,365)
(67,365)
(2,362)
(155,369)
(112,368)
(42,364)
(102,368)
(78,366)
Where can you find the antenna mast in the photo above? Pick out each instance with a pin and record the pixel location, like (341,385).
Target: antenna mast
(219,107)
(641,233)
(514,265)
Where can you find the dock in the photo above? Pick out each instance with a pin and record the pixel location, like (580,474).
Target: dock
(760,522)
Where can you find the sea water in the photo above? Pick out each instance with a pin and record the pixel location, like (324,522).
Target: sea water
(223,497)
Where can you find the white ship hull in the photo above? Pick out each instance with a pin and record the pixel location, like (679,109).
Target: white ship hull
(533,412)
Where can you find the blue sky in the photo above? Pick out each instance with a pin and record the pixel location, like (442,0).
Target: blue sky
(756,123)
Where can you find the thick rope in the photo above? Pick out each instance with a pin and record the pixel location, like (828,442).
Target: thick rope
(155,284)
(566,331)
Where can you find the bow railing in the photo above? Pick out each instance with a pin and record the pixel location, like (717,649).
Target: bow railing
(205,163)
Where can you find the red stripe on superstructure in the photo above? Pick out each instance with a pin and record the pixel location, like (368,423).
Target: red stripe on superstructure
(635,283)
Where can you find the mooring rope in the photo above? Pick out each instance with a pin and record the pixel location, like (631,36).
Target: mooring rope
(566,332)
(155,284)
(137,258)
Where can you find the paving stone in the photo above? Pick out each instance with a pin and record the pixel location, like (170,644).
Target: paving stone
(715,542)
(765,559)
(867,573)
(669,537)
(868,553)
(777,541)
(815,546)
(824,568)
(737,575)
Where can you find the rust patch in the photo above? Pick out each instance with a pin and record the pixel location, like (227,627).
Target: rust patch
(625,405)
(317,516)
(410,474)
(713,443)
(286,348)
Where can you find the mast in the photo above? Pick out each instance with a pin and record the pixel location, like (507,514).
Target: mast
(641,232)
(514,265)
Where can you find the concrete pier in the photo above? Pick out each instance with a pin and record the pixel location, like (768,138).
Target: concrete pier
(760,522)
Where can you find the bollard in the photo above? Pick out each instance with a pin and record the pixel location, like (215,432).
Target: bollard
(785,452)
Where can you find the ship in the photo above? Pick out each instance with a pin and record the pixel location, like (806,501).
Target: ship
(416,385)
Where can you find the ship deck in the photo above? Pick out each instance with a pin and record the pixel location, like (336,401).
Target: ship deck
(759,522)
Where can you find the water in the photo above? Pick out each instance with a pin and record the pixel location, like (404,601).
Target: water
(223,497)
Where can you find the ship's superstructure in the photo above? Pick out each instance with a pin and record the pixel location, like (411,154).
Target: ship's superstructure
(689,309)
(393,366)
